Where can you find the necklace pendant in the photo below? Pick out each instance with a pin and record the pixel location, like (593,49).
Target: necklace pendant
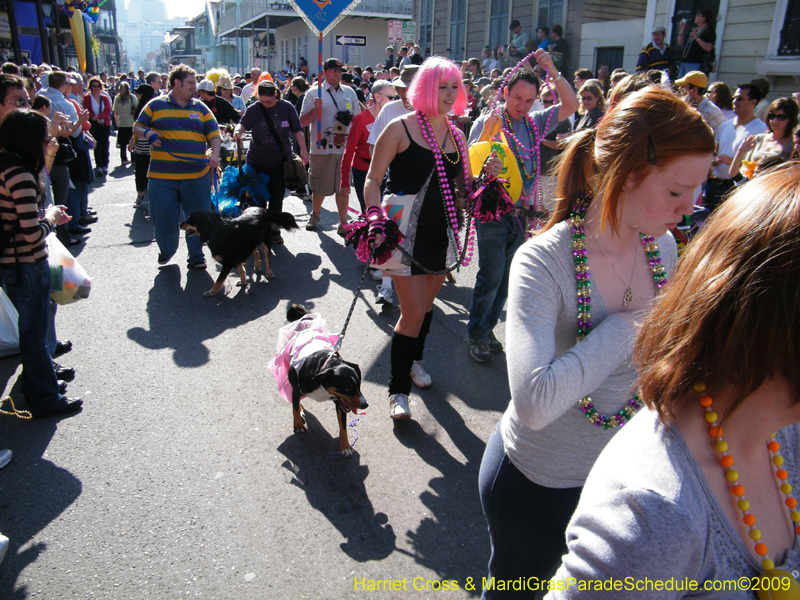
(627,299)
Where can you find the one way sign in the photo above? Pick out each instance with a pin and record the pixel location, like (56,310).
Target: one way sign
(351,40)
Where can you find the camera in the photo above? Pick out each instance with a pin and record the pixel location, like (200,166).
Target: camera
(345,117)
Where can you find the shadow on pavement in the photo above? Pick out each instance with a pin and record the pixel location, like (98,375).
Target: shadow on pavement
(182,319)
(334,486)
(28,503)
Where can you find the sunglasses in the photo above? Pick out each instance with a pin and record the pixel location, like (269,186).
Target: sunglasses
(587,98)
(777,116)
(548,102)
(391,97)
(22,103)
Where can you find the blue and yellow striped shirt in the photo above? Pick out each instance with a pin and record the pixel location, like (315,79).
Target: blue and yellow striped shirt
(184,132)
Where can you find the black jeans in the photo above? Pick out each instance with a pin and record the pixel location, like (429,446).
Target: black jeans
(276,185)
(100,133)
(527,522)
(141,163)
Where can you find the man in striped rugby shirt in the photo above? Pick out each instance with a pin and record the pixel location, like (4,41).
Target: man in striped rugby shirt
(179,128)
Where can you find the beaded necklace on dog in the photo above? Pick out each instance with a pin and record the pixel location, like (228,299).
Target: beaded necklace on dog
(584,283)
(444,185)
(777,576)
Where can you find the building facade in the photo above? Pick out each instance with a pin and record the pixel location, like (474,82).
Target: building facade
(755,38)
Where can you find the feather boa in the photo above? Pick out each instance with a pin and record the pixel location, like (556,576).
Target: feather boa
(356,236)
(489,198)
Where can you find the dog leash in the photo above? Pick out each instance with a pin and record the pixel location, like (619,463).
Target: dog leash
(353,304)
(351,424)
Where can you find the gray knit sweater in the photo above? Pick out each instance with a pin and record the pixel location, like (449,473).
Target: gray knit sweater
(545,433)
(647,511)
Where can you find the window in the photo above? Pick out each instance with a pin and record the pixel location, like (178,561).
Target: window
(458,26)
(498,23)
(790,34)
(426,26)
(611,56)
(550,12)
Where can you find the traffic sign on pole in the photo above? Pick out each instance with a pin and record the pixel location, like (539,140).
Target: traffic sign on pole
(351,40)
(395,31)
(409,31)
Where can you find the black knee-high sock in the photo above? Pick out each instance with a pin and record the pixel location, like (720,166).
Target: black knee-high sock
(403,348)
(423,333)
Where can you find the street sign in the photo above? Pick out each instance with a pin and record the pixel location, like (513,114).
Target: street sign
(409,31)
(395,31)
(351,40)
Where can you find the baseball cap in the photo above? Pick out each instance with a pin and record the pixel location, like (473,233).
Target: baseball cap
(205,86)
(332,63)
(695,78)
(660,29)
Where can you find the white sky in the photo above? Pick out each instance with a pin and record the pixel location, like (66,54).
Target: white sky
(184,8)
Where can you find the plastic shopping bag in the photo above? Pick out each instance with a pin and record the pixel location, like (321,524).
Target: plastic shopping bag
(69,282)
(9,328)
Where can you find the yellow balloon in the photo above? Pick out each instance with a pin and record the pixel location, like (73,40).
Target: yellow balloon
(478,153)
(778,585)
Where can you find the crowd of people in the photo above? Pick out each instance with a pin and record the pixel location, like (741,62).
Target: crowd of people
(603,165)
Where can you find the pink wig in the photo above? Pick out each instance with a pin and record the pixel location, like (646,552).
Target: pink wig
(424,91)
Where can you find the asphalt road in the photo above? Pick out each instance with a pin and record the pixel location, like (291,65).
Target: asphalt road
(182,478)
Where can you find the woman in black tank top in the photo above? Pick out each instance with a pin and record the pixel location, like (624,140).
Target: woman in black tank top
(406,149)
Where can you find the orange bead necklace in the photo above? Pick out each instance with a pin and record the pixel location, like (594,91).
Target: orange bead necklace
(737,489)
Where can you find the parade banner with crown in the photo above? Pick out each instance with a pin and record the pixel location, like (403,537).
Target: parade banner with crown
(322,16)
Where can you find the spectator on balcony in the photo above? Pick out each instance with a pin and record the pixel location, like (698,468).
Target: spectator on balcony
(516,47)
(543,35)
(559,49)
(657,54)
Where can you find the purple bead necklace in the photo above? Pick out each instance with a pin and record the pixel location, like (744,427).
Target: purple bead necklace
(444,184)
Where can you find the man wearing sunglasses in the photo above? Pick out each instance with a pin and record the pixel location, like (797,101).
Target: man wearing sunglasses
(730,136)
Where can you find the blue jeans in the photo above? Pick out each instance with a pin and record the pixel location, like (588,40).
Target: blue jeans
(497,243)
(77,204)
(686,67)
(171,202)
(30,294)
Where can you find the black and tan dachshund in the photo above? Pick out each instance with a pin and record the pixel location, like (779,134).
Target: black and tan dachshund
(232,241)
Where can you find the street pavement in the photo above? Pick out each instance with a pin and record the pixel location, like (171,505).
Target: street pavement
(182,478)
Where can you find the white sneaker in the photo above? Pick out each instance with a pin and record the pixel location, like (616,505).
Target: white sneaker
(5,457)
(385,295)
(377,275)
(3,546)
(398,407)
(419,376)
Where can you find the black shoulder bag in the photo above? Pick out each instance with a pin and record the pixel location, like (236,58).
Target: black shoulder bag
(295,177)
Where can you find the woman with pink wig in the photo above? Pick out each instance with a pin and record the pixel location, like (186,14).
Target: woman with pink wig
(426,157)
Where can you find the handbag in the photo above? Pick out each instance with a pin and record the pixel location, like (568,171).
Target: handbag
(295,176)
(68,280)
(404,209)
(66,152)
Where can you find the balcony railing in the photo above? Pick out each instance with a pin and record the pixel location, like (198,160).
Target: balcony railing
(250,9)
